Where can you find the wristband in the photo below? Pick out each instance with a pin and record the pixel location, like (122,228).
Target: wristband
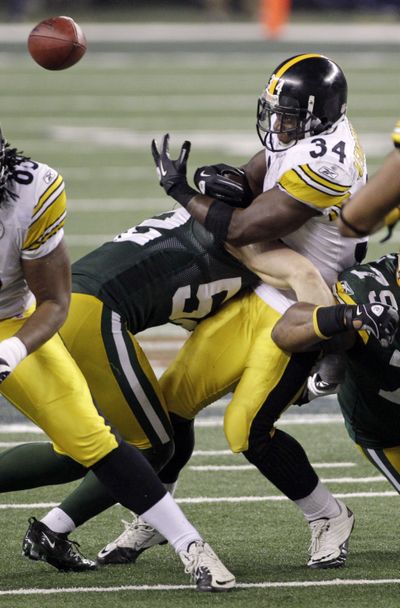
(218,219)
(12,351)
(329,320)
(182,193)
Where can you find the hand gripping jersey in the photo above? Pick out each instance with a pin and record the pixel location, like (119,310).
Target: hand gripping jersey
(31,226)
(166,269)
(322,172)
(370,395)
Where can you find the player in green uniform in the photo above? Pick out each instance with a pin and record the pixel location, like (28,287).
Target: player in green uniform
(369,397)
(166,269)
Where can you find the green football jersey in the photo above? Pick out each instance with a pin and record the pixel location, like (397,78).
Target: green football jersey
(370,395)
(166,269)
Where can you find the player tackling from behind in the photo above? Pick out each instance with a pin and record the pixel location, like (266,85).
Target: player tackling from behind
(311,164)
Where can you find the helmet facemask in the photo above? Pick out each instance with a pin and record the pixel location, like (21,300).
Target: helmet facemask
(278,115)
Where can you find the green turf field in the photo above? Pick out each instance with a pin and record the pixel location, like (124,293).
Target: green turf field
(94,123)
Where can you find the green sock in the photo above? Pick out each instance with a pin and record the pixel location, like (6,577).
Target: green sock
(32,465)
(89,499)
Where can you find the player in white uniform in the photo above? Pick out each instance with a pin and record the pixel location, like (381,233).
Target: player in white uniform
(292,191)
(38,375)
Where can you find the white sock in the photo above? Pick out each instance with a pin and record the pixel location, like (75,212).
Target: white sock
(320,503)
(166,517)
(58,521)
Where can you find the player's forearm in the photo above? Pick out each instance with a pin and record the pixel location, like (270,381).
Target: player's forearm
(294,332)
(43,324)
(365,212)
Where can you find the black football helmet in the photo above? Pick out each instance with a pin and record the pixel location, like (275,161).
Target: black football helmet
(306,95)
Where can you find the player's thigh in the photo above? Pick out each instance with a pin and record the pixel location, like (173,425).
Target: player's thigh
(210,362)
(387,461)
(214,358)
(271,382)
(49,389)
(119,375)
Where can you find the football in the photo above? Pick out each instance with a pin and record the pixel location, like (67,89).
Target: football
(57,43)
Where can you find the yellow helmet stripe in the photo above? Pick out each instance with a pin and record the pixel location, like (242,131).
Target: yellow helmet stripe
(396,135)
(285,68)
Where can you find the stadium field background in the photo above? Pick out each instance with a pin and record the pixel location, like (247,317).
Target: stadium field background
(95,123)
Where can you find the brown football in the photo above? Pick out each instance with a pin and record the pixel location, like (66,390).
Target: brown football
(57,43)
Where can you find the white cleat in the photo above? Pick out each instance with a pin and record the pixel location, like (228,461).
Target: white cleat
(136,538)
(205,568)
(330,539)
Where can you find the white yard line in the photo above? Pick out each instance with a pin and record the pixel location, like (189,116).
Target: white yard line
(264,585)
(199,500)
(250,467)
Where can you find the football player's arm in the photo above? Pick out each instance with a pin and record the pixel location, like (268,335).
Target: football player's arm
(283,268)
(271,215)
(306,327)
(366,210)
(49,279)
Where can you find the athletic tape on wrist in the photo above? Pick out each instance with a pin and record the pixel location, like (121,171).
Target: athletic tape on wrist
(13,351)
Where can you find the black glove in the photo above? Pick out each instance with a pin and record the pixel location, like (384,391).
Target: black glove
(215,181)
(172,173)
(5,370)
(381,320)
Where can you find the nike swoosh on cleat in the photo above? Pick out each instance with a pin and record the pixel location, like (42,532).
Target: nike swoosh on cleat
(52,543)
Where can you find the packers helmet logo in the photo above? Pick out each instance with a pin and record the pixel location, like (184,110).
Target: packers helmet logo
(345,288)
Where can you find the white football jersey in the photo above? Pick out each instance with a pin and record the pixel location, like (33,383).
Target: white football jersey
(31,226)
(321,172)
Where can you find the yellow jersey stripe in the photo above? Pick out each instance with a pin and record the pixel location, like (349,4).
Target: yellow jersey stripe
(298,188)
(57,182)
(45,237)
(285,68)
(396,135)
(323,180)
(46,220)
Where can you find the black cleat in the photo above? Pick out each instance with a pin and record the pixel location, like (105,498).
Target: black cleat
(41,543)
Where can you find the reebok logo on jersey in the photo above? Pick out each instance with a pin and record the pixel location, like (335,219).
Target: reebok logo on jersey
(49,176)
(328,172)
